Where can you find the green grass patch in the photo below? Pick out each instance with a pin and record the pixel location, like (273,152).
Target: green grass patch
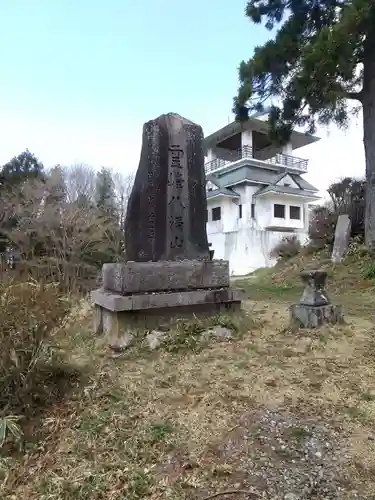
(368,396)
(268,291)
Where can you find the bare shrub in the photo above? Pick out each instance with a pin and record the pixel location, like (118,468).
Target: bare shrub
(29,312)
(58,240)
(322,227)
(288,247)
(123,186)
(346,197)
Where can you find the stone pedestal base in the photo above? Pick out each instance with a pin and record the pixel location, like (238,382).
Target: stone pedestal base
(118,315)
(305,316)
(128,278)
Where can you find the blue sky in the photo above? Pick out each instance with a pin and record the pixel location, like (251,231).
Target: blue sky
(80,77)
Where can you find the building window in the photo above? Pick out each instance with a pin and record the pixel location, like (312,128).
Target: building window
(279,211)
(295,213)
(253,210)
(240,211)
(216,213)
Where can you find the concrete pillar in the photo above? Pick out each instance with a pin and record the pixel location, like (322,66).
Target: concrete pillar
(287,150)
(306,217)
(211,155)
(247,142)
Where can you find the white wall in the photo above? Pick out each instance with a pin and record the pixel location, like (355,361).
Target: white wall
(229,215)
(244,242)
(247,249)
(287,180)
(265,211)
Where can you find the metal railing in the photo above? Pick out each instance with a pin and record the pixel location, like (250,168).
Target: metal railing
(247,152)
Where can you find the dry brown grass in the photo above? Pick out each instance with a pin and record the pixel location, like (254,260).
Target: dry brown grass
(153,425)
(346,282)
(29,312)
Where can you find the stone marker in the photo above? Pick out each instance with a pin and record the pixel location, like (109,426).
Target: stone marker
(315,308)
(314,293)
(169,270)
(342,235)
(167,206)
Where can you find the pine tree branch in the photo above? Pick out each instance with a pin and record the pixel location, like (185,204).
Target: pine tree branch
(353,95)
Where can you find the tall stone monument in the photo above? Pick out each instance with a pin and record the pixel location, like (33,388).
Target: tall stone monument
(342,236)
(165,215)
(168,270)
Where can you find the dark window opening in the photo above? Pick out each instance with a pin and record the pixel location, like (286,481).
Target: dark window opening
(216,213)
(286,184)
(295,213)
(279,211)
(240,211)
(253,210)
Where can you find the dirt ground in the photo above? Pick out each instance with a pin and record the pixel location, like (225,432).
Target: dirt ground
(270,414)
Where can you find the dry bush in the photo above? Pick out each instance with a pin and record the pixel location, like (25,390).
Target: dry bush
(29,312)
(123,187)
(322,227)
(347,197)
(60,241)
(288,247)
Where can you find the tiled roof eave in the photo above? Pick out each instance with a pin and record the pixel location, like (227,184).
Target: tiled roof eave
(303,194)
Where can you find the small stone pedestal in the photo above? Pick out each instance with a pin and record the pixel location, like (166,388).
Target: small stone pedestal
(145,294)
(314,308)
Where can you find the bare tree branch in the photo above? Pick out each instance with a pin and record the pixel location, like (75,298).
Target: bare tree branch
(80,181)
(60,240)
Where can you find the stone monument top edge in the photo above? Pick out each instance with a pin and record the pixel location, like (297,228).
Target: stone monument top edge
(185,121)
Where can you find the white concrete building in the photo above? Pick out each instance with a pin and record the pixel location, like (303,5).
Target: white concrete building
(256,194)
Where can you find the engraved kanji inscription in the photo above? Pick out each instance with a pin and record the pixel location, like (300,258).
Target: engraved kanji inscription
(177,222)
(176,155)
(176,242)
(176,179)
(177,201)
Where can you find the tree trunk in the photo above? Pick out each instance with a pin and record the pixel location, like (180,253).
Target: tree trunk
(368,105)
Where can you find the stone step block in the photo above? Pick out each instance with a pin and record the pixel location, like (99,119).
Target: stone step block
(141,302)
(141,277)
